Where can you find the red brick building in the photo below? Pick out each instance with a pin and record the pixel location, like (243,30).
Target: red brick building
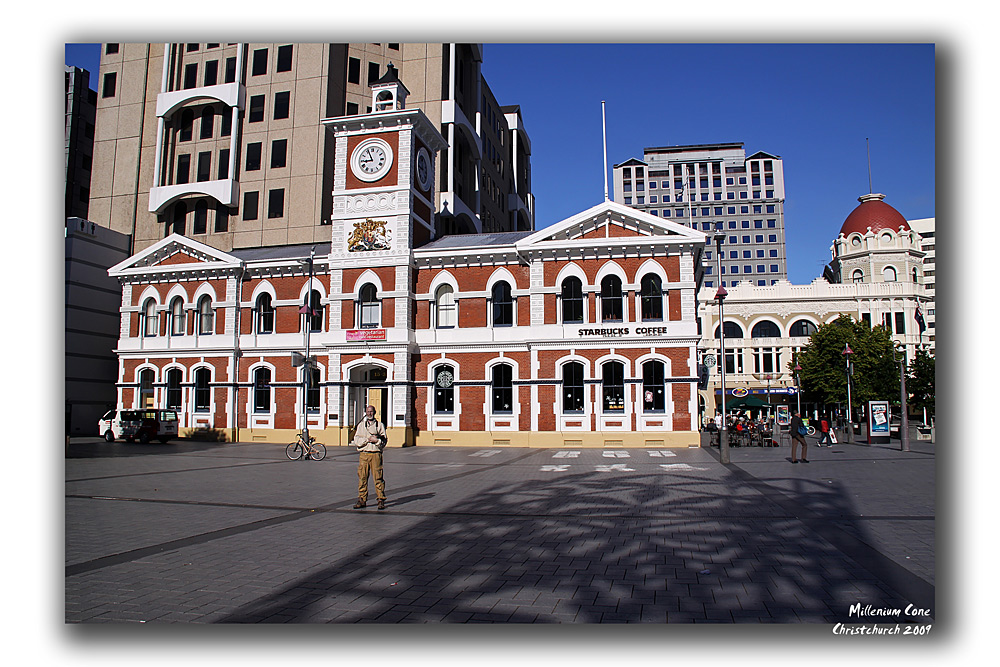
(580,334)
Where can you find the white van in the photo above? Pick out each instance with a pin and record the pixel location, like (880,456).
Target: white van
(141,425)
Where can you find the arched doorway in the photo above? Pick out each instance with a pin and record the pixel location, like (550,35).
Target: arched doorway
(367,386)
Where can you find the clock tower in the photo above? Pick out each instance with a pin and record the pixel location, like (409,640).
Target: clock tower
(383,194)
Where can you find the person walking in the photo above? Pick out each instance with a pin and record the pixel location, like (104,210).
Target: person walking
(370,439)
(824,427)
(798,433)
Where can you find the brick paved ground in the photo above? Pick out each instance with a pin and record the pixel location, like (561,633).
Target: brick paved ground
(217,533)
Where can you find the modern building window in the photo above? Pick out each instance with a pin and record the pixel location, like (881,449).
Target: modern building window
(187,125)
(279,148)
(223,172)
(226,128)
(732,330)
(444,307)
(207,123)
(503,305)
(613,386)
(221,217)
(802,328)
(572,300)
(284,58)
(253,156)
(900,323)
(612,307)
(351,109)
(281,104)
(230,70)
(264,313)
(200,218)
(204,166)
(651,298)
(110,83)
(572,385)
(312,389)
(202,390)
(190,76)
(256,114)
(110,48)
(179,217)
(276,203)
(206,316)
(654,391)
(262,390)
(250,204)
(259,66)
(353,70)
(369,307)
(373,69)
(444,390)
(150,319)
(503,389)
(174,389)
(211,72)
(183,169)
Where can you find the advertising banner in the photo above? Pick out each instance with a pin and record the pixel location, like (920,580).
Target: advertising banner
(878,420)
(365,334)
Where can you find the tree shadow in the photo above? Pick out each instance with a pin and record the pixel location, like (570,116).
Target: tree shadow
(588,547)
(102,449)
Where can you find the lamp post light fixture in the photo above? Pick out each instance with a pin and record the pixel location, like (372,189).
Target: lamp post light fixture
(847,367)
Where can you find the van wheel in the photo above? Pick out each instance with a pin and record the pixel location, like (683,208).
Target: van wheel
(109,436)
(144,438)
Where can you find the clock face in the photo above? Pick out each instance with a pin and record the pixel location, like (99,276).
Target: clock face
(371,160)
(423,169)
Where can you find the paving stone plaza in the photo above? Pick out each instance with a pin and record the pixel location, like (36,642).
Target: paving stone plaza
(236,533)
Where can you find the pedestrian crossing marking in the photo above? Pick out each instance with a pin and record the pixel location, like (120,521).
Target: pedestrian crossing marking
(555,468)
(680,466)
(613,454)
(566,455)
(662,452)
(485,452)
(615,467)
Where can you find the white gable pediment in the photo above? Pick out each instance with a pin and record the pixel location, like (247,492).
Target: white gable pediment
(609,224)
(172,254)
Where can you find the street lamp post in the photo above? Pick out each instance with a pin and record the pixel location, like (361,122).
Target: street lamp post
(798,389)
(904,425)
(721,296)
(767,377)
(307,366)
(847,367)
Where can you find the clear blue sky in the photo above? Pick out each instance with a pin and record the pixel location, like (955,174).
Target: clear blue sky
(811,104)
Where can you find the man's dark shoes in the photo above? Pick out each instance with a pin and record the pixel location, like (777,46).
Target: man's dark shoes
(381,503)
(361,503)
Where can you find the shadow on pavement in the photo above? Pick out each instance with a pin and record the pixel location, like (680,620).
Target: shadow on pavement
(101,449)
(687,547)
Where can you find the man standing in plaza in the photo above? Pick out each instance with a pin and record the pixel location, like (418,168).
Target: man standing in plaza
(370,439)
(798,434)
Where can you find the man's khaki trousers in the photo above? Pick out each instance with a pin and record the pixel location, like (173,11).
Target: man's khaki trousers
(370,463)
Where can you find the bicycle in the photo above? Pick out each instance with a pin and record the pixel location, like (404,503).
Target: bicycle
(312,450)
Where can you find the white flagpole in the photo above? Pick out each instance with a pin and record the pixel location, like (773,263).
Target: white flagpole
(604,125)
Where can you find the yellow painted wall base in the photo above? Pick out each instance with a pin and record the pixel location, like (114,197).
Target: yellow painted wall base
(407,437)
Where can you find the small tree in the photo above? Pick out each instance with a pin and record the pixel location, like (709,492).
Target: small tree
(920,381)
(823,374)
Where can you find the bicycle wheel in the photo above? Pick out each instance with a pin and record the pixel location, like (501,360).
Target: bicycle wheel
(319,451)
(294,451)
(811,430)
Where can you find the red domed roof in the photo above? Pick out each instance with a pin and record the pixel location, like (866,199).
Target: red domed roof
(875,213)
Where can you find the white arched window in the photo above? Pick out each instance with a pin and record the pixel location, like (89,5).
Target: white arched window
(858,276)
(150,318)
(369,307)
(444,305)
(264,313)
(206,316)
(177,316)
(889,274)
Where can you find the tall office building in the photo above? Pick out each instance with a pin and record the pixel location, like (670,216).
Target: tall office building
(81,108)
(925,227)
(716,188)
(223,142)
